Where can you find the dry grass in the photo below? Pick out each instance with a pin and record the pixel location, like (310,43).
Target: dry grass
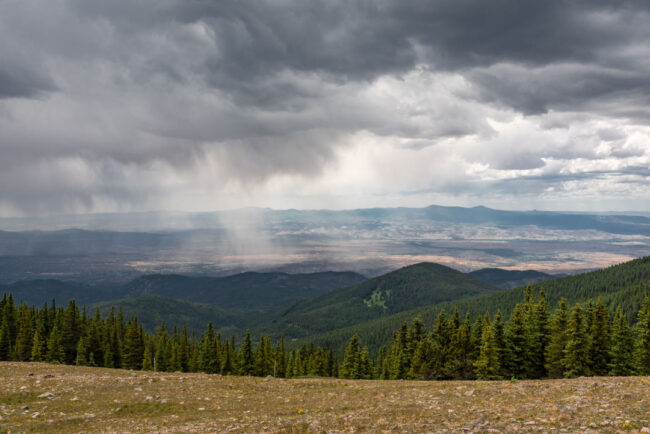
(107,400)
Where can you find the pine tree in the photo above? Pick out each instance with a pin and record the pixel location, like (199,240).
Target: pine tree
(38,347)
(147,360)
(55,352)
(351,367)
(5,338)
(557,343)
(82,353)
(500,345)
(246,360)
(487,365)
(280,360)
(23,347)
(599,348)
(622,348)
(538,337)
(642,345)
(133,347)
(576,352)
(517,343)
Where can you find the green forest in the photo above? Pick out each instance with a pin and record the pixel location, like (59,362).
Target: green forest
(583,340)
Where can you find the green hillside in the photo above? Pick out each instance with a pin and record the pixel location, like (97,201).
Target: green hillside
(622,285)
(401,290)
(245,292)
(151,310)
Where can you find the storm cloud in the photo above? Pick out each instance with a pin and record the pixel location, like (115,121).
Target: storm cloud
(149,104)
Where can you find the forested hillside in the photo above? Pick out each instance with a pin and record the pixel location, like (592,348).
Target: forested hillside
(623,285)
(407,288)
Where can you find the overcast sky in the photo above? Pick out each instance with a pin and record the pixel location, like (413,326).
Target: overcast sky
(129,105)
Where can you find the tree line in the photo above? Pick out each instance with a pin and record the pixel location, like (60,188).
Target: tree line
(532,343)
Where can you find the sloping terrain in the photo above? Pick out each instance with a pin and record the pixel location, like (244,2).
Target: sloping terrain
(54,398)
(407,288)
(508,279)
(152,310)
(243,292)
(622,285)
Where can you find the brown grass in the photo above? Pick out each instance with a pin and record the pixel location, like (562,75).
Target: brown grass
(108,400)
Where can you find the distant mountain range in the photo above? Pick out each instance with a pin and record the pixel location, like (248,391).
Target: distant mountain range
(116,248)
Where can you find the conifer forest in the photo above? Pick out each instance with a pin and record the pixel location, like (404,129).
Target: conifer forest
(534,342)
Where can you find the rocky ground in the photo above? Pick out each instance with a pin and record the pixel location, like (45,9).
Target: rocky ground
(46,398)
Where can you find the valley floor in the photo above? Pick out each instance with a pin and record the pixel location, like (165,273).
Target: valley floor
(48,398)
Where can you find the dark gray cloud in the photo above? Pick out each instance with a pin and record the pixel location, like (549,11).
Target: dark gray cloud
(105,102)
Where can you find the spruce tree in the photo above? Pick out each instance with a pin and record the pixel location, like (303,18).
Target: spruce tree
(25,334)
(642,345)
(55,351)
(517,342)
(576,353)
(599,348)
(538,337)
(622,349)
(500,344)
(133,348)
(351,367)
(487,365)
(5,338)
(558,340)
(38,347)
(147,359)
(82,353)
(246,359)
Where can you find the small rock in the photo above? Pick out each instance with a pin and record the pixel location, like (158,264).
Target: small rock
(48,395)
(469,392)
(138,389)
(645,429)
(35,415)
(31,374)
(201,409)
(23,387)
(148,398)
(479,421)
(48,376)
(74,398)
(24,407)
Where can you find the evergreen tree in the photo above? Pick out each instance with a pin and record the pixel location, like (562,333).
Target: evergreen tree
(500,344)
(487,365)
(599,348)
(576,352)
(133,348)
(25,333)
(351,367)
(517,342)
(538,338)
(622,348)
(558,341)
(55,352)
(5,338)
(642,346)
(38,347)
(82,353)
(147,360)
(246,360)
(280,365)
